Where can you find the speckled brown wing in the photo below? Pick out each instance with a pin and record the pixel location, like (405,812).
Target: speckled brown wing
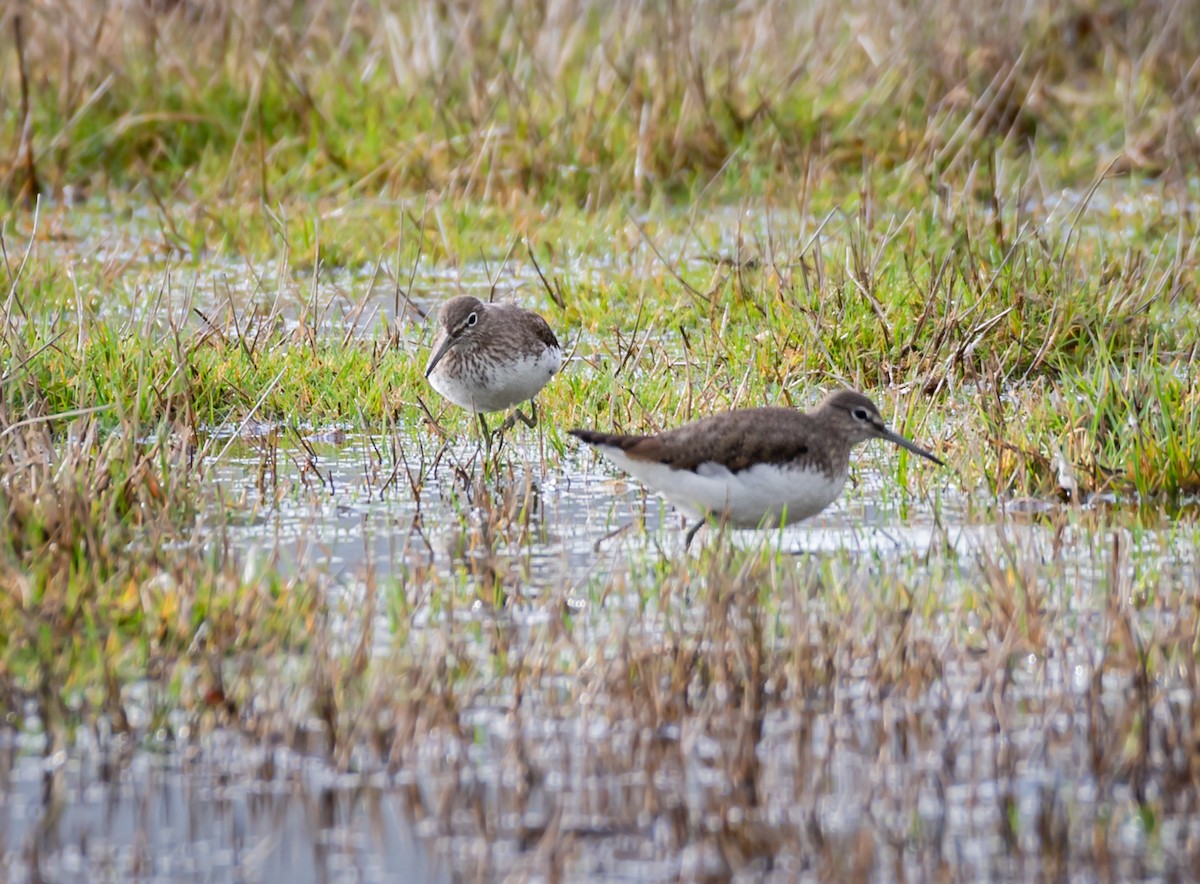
(542,329)
(530,326)
(736,440)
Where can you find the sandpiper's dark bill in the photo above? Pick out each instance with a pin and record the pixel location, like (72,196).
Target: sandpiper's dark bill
(754,466)
(909,445)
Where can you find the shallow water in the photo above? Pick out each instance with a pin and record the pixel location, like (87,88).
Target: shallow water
(361,512)
(223,809)
(147,277)
(903,745)
(976,720)
(867,761)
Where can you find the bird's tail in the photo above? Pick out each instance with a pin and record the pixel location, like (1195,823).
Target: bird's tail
(611,440)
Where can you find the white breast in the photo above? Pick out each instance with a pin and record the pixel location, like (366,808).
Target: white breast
(761,495)
(495,386)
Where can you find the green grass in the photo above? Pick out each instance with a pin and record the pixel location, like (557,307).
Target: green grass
(1090,346)
(726,207)
(499,103)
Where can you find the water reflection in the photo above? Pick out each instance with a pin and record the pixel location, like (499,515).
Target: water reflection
(547,709)
(224,810)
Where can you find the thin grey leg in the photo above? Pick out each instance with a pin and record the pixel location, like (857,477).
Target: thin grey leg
(511,420)
(487,435)
(532,420)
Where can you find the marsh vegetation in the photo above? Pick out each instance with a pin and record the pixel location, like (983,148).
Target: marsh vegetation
(262,597)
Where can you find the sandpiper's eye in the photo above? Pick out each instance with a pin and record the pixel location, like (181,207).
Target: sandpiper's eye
(861,414)
(472,319)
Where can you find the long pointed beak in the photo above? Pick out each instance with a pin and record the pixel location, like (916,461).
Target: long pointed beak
(438,354)
(885,433)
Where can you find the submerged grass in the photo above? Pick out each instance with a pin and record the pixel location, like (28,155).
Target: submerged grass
(109,577)
(832,719)
(231,220)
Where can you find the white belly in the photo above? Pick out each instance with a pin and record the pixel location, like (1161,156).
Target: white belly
(477,387)
(754,497)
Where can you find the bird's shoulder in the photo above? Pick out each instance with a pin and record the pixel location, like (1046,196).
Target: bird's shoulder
(532,324)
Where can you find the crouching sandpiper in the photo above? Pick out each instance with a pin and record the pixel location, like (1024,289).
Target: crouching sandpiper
(492,357)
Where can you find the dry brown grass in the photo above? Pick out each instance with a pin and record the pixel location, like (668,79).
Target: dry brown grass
(587,102)
(1023,708)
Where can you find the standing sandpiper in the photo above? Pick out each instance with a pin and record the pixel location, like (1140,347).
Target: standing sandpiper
(756,466)
(490,357)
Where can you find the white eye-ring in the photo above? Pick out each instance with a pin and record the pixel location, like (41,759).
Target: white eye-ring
(472,319)
(861,414)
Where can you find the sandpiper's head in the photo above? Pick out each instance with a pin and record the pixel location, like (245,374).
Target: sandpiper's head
(856,417)
(459,321)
